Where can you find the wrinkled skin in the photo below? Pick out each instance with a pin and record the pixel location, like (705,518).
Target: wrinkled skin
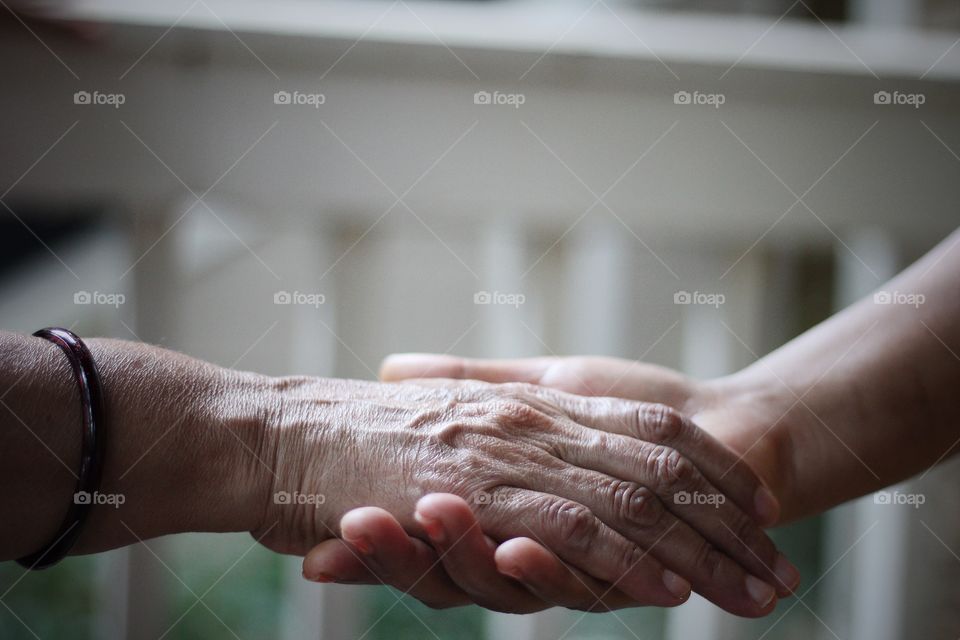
(594,480)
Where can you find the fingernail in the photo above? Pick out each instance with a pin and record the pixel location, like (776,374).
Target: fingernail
(767,506)
(760,591)
(317,577)
(676,584)
(361,544)
(788,574)
(433,528)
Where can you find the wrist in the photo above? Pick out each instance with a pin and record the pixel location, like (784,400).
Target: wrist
(748,412)
(235,428)
(183,442)
(302,472)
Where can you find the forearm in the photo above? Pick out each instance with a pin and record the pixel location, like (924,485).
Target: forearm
(865,399)
(182,439)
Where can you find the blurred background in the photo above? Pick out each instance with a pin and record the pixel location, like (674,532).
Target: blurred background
(305,187)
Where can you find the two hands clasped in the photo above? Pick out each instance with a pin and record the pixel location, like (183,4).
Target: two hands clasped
(590,483)
(519,497)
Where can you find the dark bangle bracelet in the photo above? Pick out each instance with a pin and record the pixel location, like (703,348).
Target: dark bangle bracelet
(94,438)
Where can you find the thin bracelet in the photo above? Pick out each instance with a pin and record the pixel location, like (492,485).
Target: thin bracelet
(94,438)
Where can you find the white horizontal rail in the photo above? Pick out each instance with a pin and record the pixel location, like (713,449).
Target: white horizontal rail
(613,29)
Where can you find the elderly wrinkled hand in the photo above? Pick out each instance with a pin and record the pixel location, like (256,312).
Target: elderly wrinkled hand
(633,498)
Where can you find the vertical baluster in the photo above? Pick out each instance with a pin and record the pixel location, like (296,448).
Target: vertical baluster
(137,578)
(593,283)
(508,332)
(710,349)
(299,252)
(598,280)
(114,251)
(874,578)
(504,258)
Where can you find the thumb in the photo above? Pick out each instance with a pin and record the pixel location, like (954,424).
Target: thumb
(404,366)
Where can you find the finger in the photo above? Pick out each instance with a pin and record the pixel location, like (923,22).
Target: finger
(656,423)
(468,557)
(662,425)
(404,366)
(545,575)
(402,561)
(376,550)
(580,539)
(334,560)
(582,375)
(639,515)
(685,490)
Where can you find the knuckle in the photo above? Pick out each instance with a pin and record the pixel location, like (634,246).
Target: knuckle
(745,532)
(660,423)
(630,557)
(754,540)
(644,508)
(670,467)
(597,441)
(576,524)
(709,560)
(451,434)
(514,412)
(635,503)
(472,464)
